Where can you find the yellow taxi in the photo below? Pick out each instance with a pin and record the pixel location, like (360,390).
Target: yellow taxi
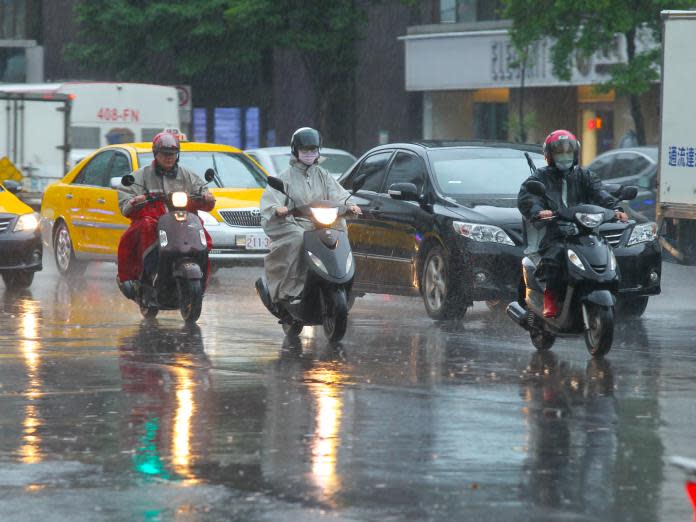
(81,221)
(20,238)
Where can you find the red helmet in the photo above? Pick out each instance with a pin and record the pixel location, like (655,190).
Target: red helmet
(165,142)
(561,142)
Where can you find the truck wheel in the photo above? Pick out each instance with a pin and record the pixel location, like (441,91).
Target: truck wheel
(632,306)
(18,279)
(442,299)
(64,254)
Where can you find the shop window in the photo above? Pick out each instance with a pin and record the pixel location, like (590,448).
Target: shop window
(13,15)
(490,121)
(470,10)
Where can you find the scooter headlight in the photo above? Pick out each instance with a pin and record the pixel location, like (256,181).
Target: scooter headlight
(612,260)
(643,233)
(163,239)
(317,262)
(575,259)
(179,199)
(349,263)
(325,216)
(590,220)
(202,236)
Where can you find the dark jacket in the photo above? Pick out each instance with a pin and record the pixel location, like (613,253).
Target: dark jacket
(583,187)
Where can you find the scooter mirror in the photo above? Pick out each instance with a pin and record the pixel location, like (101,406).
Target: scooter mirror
(209,175)
(128,180)
(629,193)
(536,187)
(276,184)
(613,188)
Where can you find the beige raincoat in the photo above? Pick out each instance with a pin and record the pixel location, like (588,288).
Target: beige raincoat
(285,265)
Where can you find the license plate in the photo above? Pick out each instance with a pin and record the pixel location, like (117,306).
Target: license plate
(257,242)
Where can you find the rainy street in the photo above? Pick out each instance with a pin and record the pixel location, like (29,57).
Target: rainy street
(108,417)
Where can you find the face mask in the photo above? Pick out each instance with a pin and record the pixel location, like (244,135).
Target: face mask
(308,157)
(563,161)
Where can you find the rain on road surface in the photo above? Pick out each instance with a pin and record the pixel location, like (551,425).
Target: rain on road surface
(107,417)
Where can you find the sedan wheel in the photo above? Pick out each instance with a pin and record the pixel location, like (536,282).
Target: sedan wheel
(442,301)
(64,253)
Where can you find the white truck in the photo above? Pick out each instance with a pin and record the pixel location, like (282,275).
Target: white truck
(44,140)
(676,199)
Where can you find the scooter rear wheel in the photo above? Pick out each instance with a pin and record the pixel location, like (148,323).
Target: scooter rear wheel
(600,334)
(190,299)
(335,313)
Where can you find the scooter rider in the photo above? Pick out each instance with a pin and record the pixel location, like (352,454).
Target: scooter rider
(163,175)
(305,182)
(567,185)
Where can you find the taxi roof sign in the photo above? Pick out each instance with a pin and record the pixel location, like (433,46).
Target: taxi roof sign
(9,171)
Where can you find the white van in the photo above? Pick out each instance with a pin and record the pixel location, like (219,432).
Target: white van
(102,113)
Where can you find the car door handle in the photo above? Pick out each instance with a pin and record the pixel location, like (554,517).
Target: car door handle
(68,196)
(101,200)
(375,211)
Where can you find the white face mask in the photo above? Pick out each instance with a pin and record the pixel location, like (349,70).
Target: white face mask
(563,160)
(308,157)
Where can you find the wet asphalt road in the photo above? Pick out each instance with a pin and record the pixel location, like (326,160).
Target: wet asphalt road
(107,417)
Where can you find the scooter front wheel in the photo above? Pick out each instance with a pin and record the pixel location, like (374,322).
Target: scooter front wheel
(599,328)
(149,312)
(293,329)
(190,299)
(334,313)
(542,341)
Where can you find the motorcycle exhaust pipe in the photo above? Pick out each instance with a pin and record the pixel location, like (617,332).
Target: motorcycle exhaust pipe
(517,314)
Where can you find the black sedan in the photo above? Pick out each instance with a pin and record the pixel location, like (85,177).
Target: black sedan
(440,220)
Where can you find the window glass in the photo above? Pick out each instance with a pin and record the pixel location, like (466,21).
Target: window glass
(84,137)
(120,166)
(628,164)
(96,171)
(374,168)
(406,168)
(473,172)
(491,121)
(337,164)
(601,167)
(233,170)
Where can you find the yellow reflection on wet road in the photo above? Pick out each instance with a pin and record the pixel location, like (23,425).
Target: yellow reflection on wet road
(185,409)
(326,392)
(30,451)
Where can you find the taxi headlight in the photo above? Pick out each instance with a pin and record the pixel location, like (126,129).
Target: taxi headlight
(208,219)
(482,233)
(590,220)
(179,199)
(575,259)
(643,233)
(325,216)
(27,223)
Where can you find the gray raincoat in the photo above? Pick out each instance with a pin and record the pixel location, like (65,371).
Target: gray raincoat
(285,265)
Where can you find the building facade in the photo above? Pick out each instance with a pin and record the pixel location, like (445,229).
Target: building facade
(21,55)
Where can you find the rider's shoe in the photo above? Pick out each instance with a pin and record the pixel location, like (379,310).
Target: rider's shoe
(550,304)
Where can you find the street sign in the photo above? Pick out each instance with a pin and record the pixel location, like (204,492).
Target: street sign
(9,171)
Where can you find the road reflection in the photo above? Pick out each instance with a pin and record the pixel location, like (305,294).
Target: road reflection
(28,315)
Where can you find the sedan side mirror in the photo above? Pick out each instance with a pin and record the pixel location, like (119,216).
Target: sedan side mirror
(277,184)
(12,186)
(628,193)
(535,187)
(128,180)
(403,192)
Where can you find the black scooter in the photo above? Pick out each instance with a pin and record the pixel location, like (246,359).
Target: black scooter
(591,277)
(180,277)
(329,277)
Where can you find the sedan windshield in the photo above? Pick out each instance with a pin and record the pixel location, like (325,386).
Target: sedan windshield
(233,170)
(336,164)
(480,171)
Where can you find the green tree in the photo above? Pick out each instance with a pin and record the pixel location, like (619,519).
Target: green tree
(581,28)
(185,41)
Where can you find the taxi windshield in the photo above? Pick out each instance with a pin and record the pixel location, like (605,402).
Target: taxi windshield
(233,170)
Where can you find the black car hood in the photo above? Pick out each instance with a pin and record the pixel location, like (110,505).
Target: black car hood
(491,211)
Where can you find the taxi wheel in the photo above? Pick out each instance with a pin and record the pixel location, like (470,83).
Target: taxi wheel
(64,254)
(17,280)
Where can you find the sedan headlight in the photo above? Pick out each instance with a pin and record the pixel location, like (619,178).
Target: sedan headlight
(27,223)
(590,220)
(179,199)
(643,233)
(575,259)
(482,233)
(208,219)
(325,216)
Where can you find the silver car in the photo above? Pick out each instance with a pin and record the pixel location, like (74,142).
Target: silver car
(275,160)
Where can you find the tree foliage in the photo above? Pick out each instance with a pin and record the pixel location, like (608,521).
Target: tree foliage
(582,28)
